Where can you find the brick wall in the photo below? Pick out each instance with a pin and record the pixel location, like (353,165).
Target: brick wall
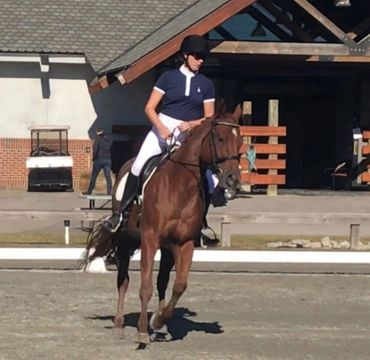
(13,155)
(81,151)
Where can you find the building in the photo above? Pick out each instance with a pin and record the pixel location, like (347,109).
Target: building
(92,64)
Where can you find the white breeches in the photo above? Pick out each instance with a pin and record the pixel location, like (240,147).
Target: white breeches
(154,144)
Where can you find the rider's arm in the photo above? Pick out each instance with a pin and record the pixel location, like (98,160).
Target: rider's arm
(151,112)
(208,109)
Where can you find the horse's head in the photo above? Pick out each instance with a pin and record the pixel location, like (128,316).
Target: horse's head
(222,150)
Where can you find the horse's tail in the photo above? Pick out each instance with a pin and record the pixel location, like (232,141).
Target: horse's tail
(100,243)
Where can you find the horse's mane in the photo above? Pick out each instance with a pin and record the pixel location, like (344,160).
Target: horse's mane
(221,113)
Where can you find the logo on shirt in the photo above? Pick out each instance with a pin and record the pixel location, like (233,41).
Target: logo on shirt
(198,90)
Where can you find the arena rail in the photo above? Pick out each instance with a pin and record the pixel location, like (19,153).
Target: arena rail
(353,222)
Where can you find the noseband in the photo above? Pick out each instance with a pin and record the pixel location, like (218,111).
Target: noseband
(215,158)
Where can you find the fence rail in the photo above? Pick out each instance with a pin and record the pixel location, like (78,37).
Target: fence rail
(263,162)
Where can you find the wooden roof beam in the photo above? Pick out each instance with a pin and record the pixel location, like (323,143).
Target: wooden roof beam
(99,83)
(340,59)
(328,24)
(269,24)
(276,48)
(224,33)
(284,19)
(169,48)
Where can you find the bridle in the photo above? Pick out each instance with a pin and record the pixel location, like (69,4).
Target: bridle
(211,136)
(215,158)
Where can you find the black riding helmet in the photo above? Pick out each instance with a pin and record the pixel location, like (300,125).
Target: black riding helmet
(194,44)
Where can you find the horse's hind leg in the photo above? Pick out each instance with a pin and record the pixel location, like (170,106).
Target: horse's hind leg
(122,286)
(183,260)
(123,279)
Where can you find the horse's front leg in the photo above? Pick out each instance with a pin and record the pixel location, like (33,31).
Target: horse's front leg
(183,259)
(149,246)
(165,267)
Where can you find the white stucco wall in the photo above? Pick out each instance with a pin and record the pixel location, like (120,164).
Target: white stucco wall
(123,104)
(22,104)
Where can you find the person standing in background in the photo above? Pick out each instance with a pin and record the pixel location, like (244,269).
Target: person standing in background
(101,160)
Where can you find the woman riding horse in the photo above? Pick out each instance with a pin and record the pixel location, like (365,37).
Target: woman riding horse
(187,97)
(173,207)
(171,217)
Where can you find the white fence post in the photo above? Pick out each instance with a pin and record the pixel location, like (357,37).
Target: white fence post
(225,231)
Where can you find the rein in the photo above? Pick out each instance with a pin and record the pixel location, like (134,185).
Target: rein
(212,139)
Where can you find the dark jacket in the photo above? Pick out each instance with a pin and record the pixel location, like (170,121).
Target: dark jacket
(102,147)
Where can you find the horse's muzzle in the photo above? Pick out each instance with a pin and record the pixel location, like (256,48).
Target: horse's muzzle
(230,181)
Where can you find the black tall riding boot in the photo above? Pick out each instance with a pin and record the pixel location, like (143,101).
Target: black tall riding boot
(128,197)
(207,203)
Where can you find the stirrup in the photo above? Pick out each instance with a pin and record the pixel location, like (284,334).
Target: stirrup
(110,225)
(208,237)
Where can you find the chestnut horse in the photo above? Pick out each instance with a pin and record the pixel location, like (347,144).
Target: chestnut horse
(121,245)
(172,213)
(173,207)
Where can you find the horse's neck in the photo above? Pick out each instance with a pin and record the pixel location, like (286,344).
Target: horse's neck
(190,152)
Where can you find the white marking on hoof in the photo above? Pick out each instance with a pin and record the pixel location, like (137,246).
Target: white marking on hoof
(151,321)
(160,336)
(142,339)
(151,324)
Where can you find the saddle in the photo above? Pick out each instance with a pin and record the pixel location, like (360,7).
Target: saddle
(208,235)
(148,170)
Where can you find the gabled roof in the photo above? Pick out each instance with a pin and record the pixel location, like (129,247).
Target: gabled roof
(102,30)
(126,38)
(198,19)
(165,32)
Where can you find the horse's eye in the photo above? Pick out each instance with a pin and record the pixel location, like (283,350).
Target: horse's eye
(221,140)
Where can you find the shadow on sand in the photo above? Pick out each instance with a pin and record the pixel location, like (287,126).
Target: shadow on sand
(178,326)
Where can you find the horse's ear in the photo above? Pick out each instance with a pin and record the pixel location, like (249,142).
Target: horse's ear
(237,114)
(220,107)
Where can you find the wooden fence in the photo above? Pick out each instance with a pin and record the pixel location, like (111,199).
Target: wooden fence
(364,144)
(269,165)
(262,142)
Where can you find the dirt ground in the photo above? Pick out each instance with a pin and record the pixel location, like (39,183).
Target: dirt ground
(56,314)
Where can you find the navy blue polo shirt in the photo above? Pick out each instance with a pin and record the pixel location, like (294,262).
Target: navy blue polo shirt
(184,93)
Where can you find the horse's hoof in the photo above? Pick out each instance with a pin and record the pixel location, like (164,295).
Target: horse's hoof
(160,336)
(118,323)
(142,338)
(142,346)
(118,332)
(154,324)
